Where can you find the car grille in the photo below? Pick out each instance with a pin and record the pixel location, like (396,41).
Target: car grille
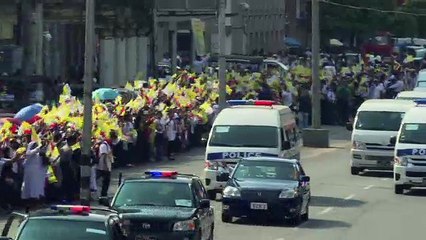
(379,158)
(375,146)
(254,195)
(418,161)
(150,226)
(416,174)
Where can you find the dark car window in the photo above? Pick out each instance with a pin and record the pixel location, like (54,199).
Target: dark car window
(245,136)
(35,229)
(267,170)
(199,190)
(154,194)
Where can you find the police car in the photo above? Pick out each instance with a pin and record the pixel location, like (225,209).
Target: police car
(248,129)
(410,150)
(65,223)
(164,205)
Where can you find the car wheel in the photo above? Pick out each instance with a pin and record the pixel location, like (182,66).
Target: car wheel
(212,194)
(399,189)
(355,171)
(296,220)
(305,217)
(226,218)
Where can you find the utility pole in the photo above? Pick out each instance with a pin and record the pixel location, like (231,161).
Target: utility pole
(173,39)
(315,136)
(27,37)
(316,83)
(39,31)
(89,58)
(222,51)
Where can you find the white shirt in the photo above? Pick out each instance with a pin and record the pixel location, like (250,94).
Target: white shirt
(106,159)
(171,130)
(287,98)
(378,91)
(398,86)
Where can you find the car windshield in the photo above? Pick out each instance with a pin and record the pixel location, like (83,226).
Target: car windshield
(244,136)
(379,121)
(154,194)
(35,229)
(266,170)
(413,133)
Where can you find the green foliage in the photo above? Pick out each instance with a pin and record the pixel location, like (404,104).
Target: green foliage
(364,22)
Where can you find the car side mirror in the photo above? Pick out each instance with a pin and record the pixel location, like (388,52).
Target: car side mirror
(305,179)
(392,140)
(104,201)
(204,203)
(286,145)
(349,126)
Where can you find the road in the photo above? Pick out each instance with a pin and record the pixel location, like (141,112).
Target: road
(343,206)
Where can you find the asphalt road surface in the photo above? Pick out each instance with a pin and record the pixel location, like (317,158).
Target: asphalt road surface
(343,207)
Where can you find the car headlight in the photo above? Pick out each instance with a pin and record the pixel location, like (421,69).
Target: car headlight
(401,161)
(288,193)
(188,225)
(359,145)
(231,192)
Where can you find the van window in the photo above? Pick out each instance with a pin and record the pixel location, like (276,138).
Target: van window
(379,121)
(244,136)
(413,133)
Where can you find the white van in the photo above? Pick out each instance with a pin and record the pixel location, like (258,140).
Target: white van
(248,129)
(375,123)
(411,95)
(410,150)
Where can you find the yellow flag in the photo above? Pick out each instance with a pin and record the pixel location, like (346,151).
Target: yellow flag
(75,146)
(35,137)
(129,86)
(228,90)
(66,90)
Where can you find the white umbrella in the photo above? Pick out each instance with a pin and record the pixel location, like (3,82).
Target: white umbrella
(335,42)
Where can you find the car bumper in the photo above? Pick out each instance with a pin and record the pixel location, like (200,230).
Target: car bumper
(276,209)
(214,180)
(410,176)
(372,159)
(164,236)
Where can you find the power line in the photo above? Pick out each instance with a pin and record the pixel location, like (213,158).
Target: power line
(372,9)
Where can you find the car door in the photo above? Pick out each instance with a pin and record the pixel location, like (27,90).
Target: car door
(304,186)
(203,214)
(210,211)
(13,225)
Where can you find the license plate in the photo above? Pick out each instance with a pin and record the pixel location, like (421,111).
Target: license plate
(259,206)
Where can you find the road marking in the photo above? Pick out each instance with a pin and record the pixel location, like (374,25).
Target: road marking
(385,179)
(368,187)
(280,239)
(350,197)
(327,210)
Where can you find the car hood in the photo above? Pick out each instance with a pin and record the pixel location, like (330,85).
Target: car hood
(156,213)
(267,184)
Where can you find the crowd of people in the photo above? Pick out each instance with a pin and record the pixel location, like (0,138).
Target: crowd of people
(40,157)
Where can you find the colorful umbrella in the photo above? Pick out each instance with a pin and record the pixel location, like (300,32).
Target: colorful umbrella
(104,94)
(29,112)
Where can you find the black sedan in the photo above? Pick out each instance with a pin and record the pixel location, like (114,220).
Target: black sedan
(267,187)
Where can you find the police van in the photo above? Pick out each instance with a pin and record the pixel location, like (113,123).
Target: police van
(375,123)
(410,150)
(248,129)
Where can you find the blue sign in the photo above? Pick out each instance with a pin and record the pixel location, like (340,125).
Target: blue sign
(237,155)
(412,152)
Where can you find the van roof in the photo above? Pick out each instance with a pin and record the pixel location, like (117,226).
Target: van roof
(386,105)
(411,95)
(415,115)
(251,115)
